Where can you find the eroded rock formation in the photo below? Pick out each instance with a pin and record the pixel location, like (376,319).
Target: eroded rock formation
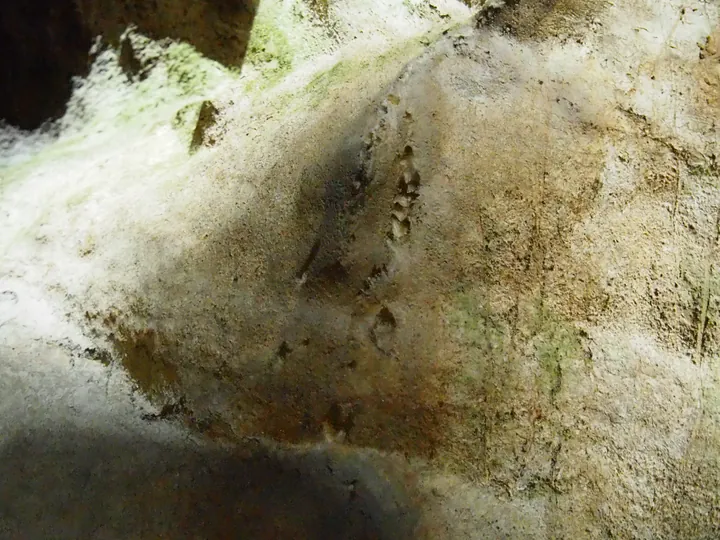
(490,251)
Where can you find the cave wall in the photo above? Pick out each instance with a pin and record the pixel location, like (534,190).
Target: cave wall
(219,29)
(45,43)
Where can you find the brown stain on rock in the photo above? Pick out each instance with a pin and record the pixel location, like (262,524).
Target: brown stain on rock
(707,73)
(531,19)
(369,356)
(339,330)
(139,353)
(313,342)
(372,404)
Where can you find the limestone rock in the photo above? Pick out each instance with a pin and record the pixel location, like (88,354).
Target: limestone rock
(206,121)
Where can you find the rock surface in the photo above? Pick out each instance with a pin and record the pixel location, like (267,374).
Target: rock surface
(495,258)
(47,43)
(207,118)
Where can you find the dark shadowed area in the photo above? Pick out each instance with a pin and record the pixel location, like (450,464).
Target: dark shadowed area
(45,43)
(69,484)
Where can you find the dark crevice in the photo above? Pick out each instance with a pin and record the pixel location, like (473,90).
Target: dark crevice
(44,44)
(308,262)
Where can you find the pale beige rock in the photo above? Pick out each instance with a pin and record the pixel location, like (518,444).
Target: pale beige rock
(496,259)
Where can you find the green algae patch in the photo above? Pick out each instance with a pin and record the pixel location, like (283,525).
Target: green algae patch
(321,84)
(174,75)
(347,69)
(79,198)
(270,52)
(41,157)
(479,326)
(557,346)
(185,120)
(188,71)
(523,341)
(180,76)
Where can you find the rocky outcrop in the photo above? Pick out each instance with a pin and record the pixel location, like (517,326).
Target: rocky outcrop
(207,119)
(468,274)
(492,253)
(46,43)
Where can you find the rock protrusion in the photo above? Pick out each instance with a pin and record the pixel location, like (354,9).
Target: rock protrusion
(207,119)
(408,191)
(129,62)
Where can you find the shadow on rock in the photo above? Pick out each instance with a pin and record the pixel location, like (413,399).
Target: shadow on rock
(46,43)
(294,318)
(69,484)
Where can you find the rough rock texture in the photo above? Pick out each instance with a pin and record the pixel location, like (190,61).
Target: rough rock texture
(207,117)
(219,29)
(538,18)
(498,261)
(83,456)
(84,453)
(46,43)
